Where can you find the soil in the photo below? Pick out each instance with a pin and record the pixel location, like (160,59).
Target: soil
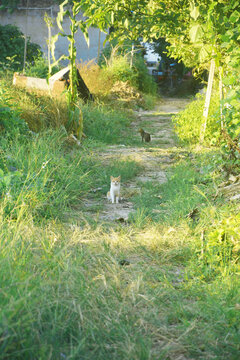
(155,157)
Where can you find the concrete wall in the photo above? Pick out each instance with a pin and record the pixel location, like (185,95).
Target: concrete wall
(32,23)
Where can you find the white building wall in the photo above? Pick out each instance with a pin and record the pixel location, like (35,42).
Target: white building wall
(32,23)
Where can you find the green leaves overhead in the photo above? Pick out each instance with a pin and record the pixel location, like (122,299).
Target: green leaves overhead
(194,11)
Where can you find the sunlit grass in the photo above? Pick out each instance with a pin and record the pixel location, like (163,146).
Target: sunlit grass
(161,285)
(70,294)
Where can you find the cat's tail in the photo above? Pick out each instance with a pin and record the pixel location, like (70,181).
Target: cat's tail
(108,195)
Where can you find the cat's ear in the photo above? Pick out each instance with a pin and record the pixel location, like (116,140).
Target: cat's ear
(119,178)
(111,177)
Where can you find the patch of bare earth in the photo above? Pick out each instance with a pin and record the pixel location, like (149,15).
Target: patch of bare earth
(154,157)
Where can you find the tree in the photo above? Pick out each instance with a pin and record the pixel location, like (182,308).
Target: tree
(75,113)
(12,47)
(199,32)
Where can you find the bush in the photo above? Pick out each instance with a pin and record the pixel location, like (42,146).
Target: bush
(12,48)
(39,68)
(115,60)
(188,123)
(10,119)
(145,82)
(222,245)
(119,70)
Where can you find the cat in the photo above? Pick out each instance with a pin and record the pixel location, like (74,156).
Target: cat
(114,193)
(146,136)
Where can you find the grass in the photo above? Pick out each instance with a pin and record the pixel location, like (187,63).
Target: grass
(70,296)
(65,291)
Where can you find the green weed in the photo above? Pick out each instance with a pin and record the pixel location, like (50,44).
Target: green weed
(189,122)
(105,124)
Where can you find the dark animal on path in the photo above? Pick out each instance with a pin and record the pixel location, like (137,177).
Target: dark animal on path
(145,136)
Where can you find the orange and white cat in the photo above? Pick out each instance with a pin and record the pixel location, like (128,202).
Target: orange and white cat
(114,193)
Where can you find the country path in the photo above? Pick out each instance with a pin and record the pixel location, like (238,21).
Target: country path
(154,158)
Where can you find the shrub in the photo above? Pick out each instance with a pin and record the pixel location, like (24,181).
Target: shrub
(10,119)
(188,123)
(222,245)
(39,68)
(144,81)
(115,60)
(119,70)
(12,47)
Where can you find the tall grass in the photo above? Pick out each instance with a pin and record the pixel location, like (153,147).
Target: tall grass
(105,124)
(65,295)
(65,291)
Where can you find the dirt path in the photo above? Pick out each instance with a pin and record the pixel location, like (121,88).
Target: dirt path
(154,157)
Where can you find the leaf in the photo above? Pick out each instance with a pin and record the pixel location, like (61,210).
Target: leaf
(196,33)
(195,12)
(234,17)
(83,28)
(112,17)
(203,55)
(52,45)
(85,34)
(235,4)
(61,15)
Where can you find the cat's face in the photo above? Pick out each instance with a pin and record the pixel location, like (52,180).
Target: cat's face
(115,180)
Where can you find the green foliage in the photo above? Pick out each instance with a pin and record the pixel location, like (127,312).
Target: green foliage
(42,175)
(175,199)
(221,244)
(120,70)
(39,68)
(10,119)
(11,5)
(121,64)
(62,281)
(145,82)
(75,115)
(197,31)
(12,48)
(113,49)
(105,124)
(188,123)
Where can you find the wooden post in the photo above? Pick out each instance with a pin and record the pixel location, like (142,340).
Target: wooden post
(25,40)
(207,99)
(221,95)
(99,44)
(132,53)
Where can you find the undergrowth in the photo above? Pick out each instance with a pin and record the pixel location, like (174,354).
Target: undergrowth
(189,122)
